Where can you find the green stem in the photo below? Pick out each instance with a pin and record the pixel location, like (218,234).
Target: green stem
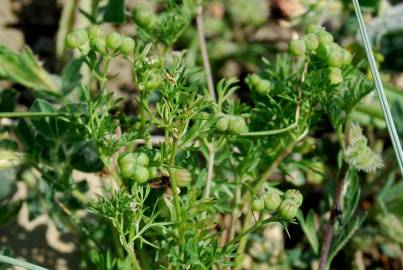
(16,262)
(28,114)
(269,132)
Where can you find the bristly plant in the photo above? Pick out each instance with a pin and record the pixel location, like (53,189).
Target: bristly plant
(187,178)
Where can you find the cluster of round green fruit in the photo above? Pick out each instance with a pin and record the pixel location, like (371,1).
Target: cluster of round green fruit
(285,206)
(134,166)
(261,86)
(94,38)
(144,18)
(320,42)
(234,124)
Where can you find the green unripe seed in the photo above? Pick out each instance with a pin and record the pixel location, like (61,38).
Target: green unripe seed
(127,46)
(222,124)
(335,58)
(258,205)
(94,31)
(98,44)
(261,86)
(182,177)
(141,159)
(313,29)
(126,167)
(144,18)
(76,39)
(297,47)
(294,195)
(113,41)
(323,51)
(311,42)
(287,209)
(335,76)
(347,57)
(153,172)
(325,37)
(271,201)
(140,174)
(237,125)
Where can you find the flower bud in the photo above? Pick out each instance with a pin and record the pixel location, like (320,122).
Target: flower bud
(287,209)
(297,47)
(237,125)
(258,205)
(140,174)
(182,177)
(271,200)
(222,124)
(335,76)
(76,39)
(294,195)
(127,46)
(311,42)
(325,37)
(113,41)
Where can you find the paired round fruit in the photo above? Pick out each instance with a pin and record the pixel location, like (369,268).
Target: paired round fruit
(258,84)
(76,39)
(232,123)
(134,166)
(335,76)
(285,206)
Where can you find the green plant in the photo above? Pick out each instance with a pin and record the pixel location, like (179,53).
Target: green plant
(188,176)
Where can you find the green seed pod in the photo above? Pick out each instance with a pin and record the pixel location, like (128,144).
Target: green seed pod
(323,51)
(311,42)
(144,18)
(258,205)
(127,46)
(261,86)
(313,29)
(335,76)
(325,37)
(76,39)
(271,201)
(287,209)
(237,125)
(98,44)
(140,174)
(126,164)
(297,47)
(222,124)
(347,57)
(294,195)
(153,172)
(94,31)
(335,58)
(141,159)
(182,176)
(113,40)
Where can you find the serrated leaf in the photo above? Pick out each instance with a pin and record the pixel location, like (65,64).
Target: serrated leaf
(24,68)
